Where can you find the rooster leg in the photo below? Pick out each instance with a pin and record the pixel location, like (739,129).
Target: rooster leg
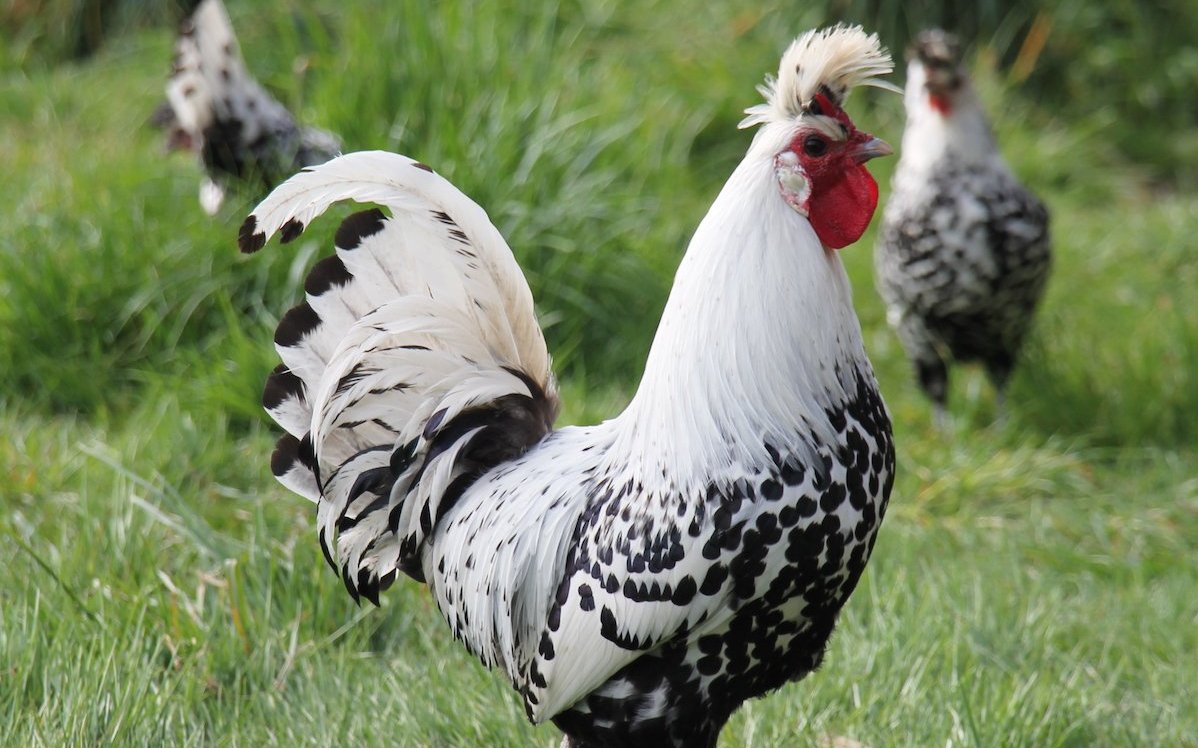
(998,369)
(932,374)
(1000,407)
(940,418)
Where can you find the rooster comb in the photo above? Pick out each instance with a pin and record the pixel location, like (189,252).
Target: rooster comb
(829,61)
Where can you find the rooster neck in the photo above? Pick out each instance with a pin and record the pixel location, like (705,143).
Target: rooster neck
(932,138)
(755,343)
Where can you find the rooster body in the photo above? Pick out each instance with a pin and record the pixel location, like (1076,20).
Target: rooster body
(635,580)
(963,255)
(240,132)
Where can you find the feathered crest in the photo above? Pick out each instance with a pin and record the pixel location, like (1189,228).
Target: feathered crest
(829,61)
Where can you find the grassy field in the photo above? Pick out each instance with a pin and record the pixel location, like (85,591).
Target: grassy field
(1034,583)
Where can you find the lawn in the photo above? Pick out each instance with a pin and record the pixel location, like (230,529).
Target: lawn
(1033,585)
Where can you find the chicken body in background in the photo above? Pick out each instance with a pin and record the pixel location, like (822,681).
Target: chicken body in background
(217,110)
(635,580)
(963,255)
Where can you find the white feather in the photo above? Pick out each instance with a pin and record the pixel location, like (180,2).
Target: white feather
(840,57)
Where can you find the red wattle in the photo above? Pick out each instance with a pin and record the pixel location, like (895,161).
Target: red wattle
(941,104)
(841,211)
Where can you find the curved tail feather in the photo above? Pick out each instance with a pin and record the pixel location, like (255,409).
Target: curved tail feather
(414,364)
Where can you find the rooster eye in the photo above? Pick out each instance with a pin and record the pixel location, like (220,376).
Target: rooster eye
(815,146)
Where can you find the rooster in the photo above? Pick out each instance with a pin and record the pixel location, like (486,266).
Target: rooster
(963,255)
(217,110)
(639,579)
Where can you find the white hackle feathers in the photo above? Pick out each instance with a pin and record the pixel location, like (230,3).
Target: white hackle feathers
(833,61)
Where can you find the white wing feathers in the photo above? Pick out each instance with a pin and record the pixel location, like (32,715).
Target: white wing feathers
(415,363)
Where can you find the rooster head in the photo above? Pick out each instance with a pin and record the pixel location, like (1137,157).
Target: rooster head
(818,153)
(936,55)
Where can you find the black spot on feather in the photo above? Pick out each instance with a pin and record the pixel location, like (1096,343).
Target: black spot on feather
(291,230)
(281,385)
(285,456)
(422,167)
(296,323)
(357,227)
(607,624)
(326,274)
(685,591)
(249,239)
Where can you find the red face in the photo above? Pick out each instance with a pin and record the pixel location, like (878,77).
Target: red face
(843,194)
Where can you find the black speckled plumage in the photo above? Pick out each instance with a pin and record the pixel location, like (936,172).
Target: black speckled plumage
(638,579)
(786,549)
(963,253)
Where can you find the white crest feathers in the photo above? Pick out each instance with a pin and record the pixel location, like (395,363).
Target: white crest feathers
(833,60)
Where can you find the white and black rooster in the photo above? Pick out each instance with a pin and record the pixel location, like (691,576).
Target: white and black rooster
(963,255)
(639,579)
(240,132)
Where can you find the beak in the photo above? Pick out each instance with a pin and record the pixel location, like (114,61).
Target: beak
(871,148)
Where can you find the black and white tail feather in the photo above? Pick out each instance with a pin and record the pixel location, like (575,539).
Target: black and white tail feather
(415,363)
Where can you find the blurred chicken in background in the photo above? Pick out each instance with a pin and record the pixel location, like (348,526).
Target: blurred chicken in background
(964,250)
(218,111)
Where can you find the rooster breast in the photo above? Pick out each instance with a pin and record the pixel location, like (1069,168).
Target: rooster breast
(635,615)
(962,262)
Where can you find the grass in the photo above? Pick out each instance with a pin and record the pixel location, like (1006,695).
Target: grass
(1033,584)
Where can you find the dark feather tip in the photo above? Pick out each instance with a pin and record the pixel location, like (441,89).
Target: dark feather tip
(433,423)
(349,584)
(281,385)
(326,274)
(291,231)
(368,587)
(249,239)
(285,455)
(296,323)
(357,227)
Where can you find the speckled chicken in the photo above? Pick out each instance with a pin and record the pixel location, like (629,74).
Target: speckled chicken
(241,134)
(963,255)
(635,580)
